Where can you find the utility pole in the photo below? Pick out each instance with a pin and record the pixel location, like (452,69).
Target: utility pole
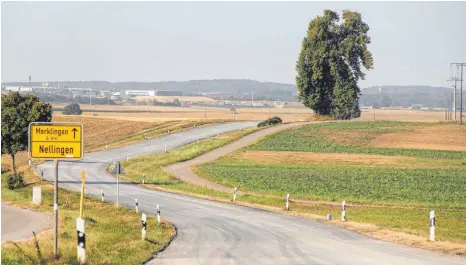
(461,78)
(454,79)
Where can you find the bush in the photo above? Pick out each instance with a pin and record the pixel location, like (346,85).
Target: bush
(72,109)
(16,181)
(271,121)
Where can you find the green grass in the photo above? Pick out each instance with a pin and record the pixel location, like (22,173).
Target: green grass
(314,138)
(113,236)
(152,165)
(440,187)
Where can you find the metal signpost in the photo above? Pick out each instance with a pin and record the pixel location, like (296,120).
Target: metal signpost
(55,141)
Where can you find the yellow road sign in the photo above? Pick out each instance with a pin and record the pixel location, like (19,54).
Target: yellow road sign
(62,141)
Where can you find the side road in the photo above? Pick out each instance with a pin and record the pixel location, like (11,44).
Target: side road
(18,223)
(183,170)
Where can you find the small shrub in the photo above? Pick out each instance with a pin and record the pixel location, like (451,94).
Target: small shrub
(72,109)
(16,181)
(271,121)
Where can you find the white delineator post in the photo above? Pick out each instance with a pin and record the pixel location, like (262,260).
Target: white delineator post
(144,227)
(36,195)
(287,204)
(234,193)
(158,214)
(106,145)
(137,204)
(432,225)
(102,195)
(144,178)
(343,211)
(165,148)
(81,229)
(127,157)
(168,131)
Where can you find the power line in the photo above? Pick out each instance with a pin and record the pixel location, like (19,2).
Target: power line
(460,65)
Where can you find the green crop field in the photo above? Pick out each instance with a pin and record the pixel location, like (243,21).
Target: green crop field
(429,187)
(318,138)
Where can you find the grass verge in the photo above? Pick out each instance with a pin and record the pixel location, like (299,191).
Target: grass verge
(113,235)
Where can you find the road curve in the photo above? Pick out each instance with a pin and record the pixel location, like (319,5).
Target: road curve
(216,233)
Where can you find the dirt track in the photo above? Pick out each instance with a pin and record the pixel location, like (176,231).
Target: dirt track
(183,170)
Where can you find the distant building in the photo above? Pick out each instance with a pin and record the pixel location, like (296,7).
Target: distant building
(18,88)
(83,92)
(115,96)
(145,93)
(168,93)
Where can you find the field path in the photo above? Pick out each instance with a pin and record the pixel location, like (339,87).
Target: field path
(18,223)
(182,170)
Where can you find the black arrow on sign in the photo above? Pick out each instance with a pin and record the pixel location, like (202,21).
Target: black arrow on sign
(74,133)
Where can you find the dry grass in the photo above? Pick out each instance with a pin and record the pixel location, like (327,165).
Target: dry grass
(309,158)
(401,115)
(441,137)
(291,113)
(171,98)
(98,131)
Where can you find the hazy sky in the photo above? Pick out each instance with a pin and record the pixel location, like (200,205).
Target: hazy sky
(412,43)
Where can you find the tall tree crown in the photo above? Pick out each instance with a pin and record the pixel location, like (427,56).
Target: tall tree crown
(329,64)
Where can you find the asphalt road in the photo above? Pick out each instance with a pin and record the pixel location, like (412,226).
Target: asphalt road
(217,233)
(18,223)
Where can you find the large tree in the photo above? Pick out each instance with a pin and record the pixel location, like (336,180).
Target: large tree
(330,62)
(17,112)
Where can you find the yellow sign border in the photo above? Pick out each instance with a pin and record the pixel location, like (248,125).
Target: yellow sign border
(74,124)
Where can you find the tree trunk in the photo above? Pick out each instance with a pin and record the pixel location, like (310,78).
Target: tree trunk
(13,164)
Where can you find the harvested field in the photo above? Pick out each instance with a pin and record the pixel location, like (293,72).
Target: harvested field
(308,158)
(99,131)
(288,114)
(441,137)
(401,115)
(172,98)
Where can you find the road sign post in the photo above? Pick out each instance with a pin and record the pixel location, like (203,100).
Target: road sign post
(118,184)
(118,169)
(55,207)
(83,181)
(55,141)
